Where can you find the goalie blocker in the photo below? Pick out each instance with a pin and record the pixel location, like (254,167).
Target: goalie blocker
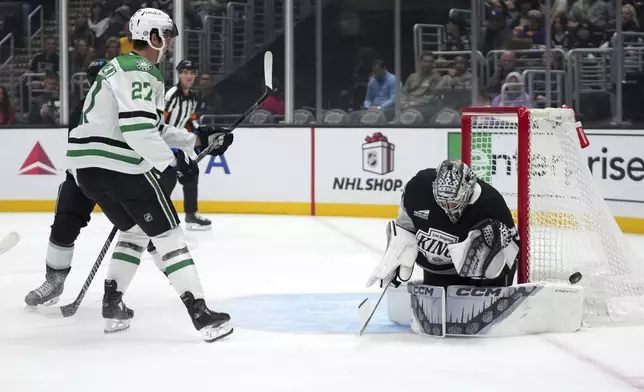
(460,231)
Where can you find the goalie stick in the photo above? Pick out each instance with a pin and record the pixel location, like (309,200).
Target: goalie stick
(70,309)
(365,312)
(9,241)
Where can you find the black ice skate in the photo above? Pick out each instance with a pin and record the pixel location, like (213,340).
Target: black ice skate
(49,292)
(195,221)
(117,316)
(212,325)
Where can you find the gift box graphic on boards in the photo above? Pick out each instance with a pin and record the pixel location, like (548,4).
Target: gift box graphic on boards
(378,154)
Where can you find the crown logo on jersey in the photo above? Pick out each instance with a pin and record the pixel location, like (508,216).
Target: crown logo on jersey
(37,162)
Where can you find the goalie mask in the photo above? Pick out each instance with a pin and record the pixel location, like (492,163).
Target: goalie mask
(453,187)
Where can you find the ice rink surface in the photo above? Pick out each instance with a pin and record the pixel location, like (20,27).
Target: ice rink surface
(291,285)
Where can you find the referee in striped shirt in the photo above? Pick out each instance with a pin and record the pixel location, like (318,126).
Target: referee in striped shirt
(180,105)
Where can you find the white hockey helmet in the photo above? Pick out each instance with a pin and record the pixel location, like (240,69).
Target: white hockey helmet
(146,21)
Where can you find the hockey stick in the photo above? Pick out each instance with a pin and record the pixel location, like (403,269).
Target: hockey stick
(365,313)
(9,241)
(70,309)
(268,84)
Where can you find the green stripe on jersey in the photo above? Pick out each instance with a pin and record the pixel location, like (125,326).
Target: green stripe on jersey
(125,257)
(96,88)
(137,127)
(104,154)
(177,266)
(135,62)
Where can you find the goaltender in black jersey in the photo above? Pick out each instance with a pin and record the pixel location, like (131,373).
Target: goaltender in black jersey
(453,225)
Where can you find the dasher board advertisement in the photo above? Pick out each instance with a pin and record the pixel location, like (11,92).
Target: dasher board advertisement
(371,166)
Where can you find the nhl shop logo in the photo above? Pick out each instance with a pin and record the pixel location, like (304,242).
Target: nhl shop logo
(377,158)
(378,154)
(37,162)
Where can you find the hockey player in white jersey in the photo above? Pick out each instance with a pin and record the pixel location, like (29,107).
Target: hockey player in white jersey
(119,154)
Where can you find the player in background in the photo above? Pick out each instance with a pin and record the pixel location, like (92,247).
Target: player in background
(119,154)
(180,106)
(456,227)
(72,213)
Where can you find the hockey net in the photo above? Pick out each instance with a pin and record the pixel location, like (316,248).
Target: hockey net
(533,157)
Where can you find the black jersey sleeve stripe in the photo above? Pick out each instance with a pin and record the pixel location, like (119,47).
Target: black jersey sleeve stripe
(99,139)
(138,113)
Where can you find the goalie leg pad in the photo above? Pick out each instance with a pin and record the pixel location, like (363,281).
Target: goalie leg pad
(427,309)
(513,311)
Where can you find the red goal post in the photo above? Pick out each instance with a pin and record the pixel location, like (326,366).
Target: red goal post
(522,117)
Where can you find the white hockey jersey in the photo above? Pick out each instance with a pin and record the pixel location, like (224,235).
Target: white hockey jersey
(121,126)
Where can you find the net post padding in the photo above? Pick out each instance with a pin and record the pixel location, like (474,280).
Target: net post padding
(533,157)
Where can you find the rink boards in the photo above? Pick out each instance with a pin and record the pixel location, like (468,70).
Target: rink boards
(317,171)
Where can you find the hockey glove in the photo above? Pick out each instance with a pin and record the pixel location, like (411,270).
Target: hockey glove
(400,256)
(220,137)
(490,247)
(187,169)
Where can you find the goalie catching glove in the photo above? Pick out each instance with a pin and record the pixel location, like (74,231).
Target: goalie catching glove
(399,257)
(490,246)
(222,138)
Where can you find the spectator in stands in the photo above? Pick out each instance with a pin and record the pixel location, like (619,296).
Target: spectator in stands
(45,107)
(354,97)
(495,31)
(593,12)
(585,36)
(208,101)
(98,22)
(560,34)
(113,48)
(507,64)
(456,40)
(274,104)
(513,95)
(381,89)
(629,18)
(126,41)
(117,22)
(458,77)
(520,13)
(82,56)
(46,61)
(82,30)
(112,5)
(420,86)
(7,113)
(155,4)
(533,29)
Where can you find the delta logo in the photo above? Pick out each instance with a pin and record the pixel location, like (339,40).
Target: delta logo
(37,163)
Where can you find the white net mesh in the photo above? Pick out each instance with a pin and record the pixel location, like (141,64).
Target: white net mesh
(570,226)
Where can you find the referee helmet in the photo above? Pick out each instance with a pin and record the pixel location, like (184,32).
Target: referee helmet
(186,65)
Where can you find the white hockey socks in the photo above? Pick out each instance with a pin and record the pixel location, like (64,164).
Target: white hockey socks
(59,257)
(127,257)
(174,259)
